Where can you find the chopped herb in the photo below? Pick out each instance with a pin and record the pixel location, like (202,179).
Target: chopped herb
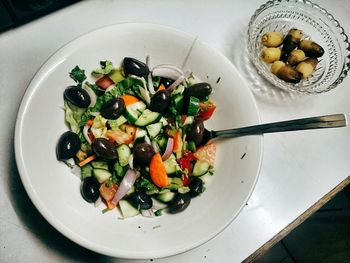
(105,210)
(78,75)
(158,213)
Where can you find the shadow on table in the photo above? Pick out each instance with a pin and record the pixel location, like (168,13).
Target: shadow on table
(37,224)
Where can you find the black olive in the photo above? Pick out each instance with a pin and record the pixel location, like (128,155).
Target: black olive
(133,66)
(68,145)
(160,101)
(140,200)
(90,189)
(166,82)
(113,108)
(104,148)
(199,90)
(179,203)
(77,96)
(143,152)
(197,132)
(196,186)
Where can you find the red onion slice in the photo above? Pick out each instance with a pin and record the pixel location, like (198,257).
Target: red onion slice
(155,146)
(125,185)
(147,213)
(176,83)
(168,149)
(131,161)
(86,133)
(167,71)
(150,84)
(92,94)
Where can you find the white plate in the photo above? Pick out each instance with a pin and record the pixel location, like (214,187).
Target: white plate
(55,191)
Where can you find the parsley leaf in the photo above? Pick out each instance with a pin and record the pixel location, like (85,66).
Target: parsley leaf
(78,75)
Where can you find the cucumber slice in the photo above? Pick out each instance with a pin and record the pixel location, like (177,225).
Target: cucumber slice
(163,121)
(86,171)
(101,175)
(119,170)
(171,165)
(178,90)
(133,111)
(166,197)
(188,121)
(127,209)
(162,142)
(124,153)
(147,117)
(193,106)
(178,102)
(154,129)
(99,165)
(116,123)
(200,168)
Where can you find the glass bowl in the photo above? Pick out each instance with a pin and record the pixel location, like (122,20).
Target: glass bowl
(317,25)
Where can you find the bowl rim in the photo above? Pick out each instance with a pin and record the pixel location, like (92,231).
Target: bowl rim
(335,22)
(32,87)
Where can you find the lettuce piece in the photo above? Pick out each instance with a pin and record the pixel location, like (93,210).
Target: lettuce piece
(106,68)
(73,116)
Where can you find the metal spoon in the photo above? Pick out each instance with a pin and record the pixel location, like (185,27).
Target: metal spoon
(328,121)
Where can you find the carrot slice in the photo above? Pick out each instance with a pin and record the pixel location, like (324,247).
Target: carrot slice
(157,171)
(129,99)
(87,160)
(90,122)
(161,87)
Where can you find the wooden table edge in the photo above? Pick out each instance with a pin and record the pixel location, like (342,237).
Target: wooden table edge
(300,219)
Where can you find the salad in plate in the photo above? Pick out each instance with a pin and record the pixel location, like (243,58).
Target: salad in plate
(136,136)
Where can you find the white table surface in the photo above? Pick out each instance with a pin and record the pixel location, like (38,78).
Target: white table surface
(298,168)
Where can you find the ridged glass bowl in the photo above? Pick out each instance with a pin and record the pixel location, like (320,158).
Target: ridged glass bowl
(317,25)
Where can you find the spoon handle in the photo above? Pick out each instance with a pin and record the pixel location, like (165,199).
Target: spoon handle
(328,121)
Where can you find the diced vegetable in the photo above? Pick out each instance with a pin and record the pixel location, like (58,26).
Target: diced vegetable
(147,117)
(154,129)
(101,175)
(157,171)
(124,153)
(200,168)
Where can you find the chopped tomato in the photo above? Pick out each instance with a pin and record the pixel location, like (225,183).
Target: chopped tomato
(104,82)
(206,110)
(107,190)
(206,153)
(157,171)
(130,130)
(119,137)
(183,118)
(177,141)
(90,122)
(185,164)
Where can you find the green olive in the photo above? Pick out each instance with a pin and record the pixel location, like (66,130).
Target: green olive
(272,39)
(285,72)
(307,67)
(270,54)
(296,56)
(311,48)
(292,39)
